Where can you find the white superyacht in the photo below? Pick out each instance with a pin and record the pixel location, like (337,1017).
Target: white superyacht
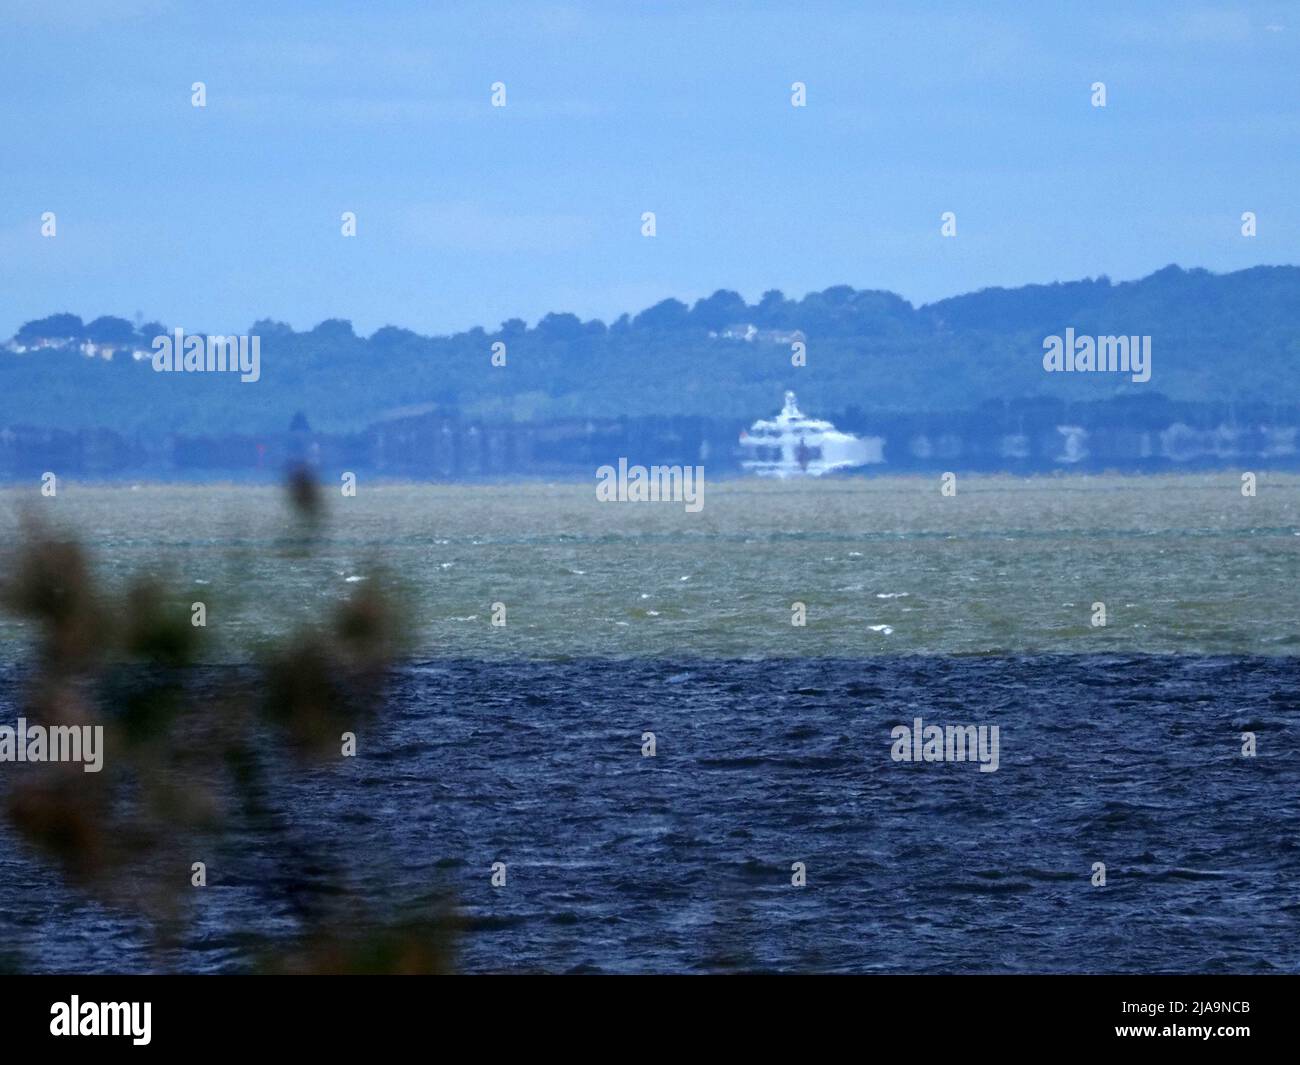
(794,445)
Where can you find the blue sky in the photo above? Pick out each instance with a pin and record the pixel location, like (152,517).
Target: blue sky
(468,214)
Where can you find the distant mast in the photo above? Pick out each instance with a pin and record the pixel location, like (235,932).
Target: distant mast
(794,445)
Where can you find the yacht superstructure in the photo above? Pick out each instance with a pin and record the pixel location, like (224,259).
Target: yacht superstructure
(794,445)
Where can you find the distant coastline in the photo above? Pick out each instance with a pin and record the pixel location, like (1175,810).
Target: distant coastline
(1027,437)
(1221,342)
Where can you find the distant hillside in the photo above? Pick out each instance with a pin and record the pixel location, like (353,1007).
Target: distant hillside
(1231,337)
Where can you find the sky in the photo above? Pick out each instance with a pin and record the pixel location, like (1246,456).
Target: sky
(467,214)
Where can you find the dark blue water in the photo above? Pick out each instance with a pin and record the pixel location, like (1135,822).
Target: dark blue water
(682,862)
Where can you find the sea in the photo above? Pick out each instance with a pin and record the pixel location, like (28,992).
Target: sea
(629,738)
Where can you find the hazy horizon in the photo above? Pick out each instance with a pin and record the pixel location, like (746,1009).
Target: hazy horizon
(469,214)
(492,328)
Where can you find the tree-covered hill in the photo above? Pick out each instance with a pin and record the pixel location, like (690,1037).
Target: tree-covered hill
(1233,337)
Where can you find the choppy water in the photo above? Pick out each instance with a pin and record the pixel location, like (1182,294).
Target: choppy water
(1185,565)
(682,862)
(1119,745)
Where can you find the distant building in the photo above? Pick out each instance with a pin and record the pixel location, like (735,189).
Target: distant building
(751,334)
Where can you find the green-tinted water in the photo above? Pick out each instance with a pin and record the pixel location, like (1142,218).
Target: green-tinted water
(1182,564)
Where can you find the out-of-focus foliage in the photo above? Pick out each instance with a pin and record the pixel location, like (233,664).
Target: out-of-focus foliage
(188,750)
